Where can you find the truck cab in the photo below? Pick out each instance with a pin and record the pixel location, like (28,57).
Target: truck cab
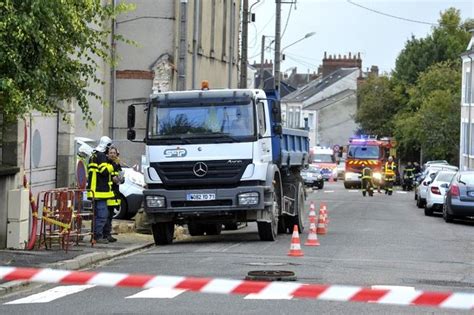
(220,157)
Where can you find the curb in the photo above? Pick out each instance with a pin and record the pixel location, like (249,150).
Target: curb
(76,263)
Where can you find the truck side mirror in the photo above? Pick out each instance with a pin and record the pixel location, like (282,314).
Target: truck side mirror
(131,134)
(131,117)
(277,129)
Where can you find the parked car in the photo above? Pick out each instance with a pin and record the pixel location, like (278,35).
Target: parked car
(427,177)
(341,168)
(436,191)
(459,201)
(131,191)
(312,176)
(444,162)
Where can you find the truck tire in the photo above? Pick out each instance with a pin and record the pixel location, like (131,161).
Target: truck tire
(299,207)
(213,229)
(163,232)
(268,230)
(346,185)
(195,229)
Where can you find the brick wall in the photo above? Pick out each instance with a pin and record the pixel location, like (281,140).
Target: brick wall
(333,63)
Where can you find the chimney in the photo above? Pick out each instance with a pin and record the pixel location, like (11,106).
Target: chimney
(374,70)
(346,61)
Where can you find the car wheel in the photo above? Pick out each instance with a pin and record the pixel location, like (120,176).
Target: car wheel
(419,204)
(448,218)
(428,211)
(120,211)
(320,186)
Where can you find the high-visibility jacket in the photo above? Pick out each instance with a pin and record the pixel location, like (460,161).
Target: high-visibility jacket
(390,168)
(99,178)
(115,201)
(409,172)
(366,173)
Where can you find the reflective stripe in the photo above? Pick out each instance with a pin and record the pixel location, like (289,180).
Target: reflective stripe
(113,202)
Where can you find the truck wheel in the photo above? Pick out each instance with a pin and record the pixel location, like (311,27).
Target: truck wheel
(195,229)
(268,230)
(346,185)
(163,232)
(213,229)
(299,206)
(231,226)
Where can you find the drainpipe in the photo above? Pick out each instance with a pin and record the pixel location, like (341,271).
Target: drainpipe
(195,40)
(469,116)
(113,78)
(183,46)
(231,43)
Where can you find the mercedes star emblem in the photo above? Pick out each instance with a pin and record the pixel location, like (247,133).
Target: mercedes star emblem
(200,169)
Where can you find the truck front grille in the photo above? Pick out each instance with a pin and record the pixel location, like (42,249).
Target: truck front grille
(221,172)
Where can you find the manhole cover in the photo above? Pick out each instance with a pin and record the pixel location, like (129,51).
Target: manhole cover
(271,275)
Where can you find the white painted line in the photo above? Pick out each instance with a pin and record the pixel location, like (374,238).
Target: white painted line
(353,190)
(401,192)
(329,191)
(51,294)
(157,293)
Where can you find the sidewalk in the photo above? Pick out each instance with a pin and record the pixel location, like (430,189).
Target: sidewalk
(77,257)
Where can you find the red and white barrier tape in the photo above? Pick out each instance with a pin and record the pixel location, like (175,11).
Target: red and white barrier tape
(226,286)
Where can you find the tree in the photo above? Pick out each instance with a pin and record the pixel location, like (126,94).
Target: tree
(49,52)
(376,106)
(446,42)
(434,123)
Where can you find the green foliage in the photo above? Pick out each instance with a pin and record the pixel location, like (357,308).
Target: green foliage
(49,51)
(434,122)
(377,105)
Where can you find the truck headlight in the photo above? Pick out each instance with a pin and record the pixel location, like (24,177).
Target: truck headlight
(320,176)
(250,198)
(155,201)
(377,176)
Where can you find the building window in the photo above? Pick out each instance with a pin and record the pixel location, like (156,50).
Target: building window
(467,87)
(471,140)
(224,30)
(464,138)
(311,121)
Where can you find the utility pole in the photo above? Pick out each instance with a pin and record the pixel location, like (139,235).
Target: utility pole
(183,45)
(245,30)
(277,45)
(262,56)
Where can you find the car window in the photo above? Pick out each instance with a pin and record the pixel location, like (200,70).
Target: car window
(468,179)
(445,176)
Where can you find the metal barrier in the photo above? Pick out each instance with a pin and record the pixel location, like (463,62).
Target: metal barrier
(63,211)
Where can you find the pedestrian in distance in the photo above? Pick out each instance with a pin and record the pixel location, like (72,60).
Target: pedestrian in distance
(114,202)
(99,187)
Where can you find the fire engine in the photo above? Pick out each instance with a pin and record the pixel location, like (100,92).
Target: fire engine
(370,151)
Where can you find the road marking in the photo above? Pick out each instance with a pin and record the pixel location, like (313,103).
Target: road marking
(52,294)
(329,191)
(401,192)
(157,293)
(353,190)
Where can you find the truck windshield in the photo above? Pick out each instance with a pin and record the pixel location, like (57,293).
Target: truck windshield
(206,122)
(363,152)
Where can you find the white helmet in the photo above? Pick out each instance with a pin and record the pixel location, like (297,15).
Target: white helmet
(103,144)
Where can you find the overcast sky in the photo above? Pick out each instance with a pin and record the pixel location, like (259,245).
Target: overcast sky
(342,27)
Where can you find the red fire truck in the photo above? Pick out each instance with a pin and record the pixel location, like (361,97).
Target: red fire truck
(370,151)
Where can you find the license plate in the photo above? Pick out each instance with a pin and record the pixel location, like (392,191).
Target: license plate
(200,197)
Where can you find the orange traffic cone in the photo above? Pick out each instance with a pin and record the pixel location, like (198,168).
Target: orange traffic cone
(312,213)
(321,228)
(312,237)
(324,210)
(295,247)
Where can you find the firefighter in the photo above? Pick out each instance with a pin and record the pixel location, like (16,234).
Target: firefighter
(408,176)
(390,174)
(115,202)
(366,181)
(99,181)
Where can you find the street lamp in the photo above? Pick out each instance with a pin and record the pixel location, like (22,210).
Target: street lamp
(277,60)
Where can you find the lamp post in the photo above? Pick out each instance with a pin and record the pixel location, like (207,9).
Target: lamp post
(278,53)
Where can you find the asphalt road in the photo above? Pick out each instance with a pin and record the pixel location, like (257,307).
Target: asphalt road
(383,240)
